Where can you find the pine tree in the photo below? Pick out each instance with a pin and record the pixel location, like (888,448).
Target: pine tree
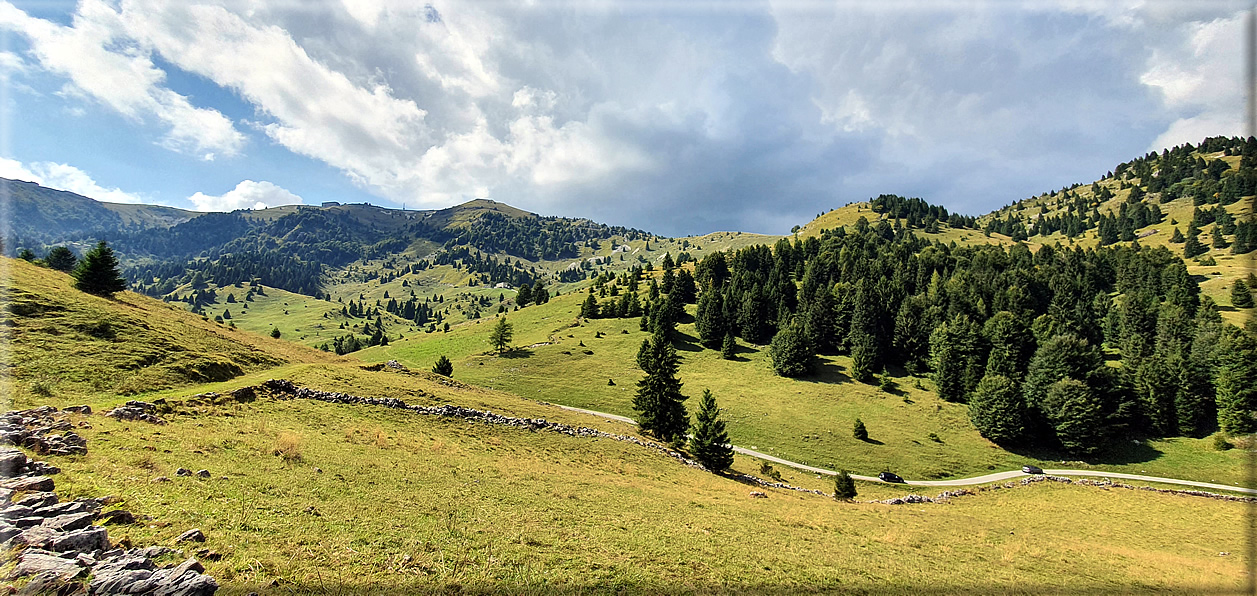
(710,443)
(729,348)
(859,431)
(275,332)
(443,366)
(818,322)
(589,309)
(844,486)
(684,287)
(500,335)
(709,319)
(97,272)
(791,355)
(61,259)
(524,295)
(1177,236)
(1192,247)
(658,399)
(1237,383)
(997,410)
(1075,413)
(1241,295)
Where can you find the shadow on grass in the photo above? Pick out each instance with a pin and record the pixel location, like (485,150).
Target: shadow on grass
(872,441)
(828,372)
(517,353)
(685,342)
(1124,452)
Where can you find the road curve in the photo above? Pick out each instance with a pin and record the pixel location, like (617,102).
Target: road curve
(995,477)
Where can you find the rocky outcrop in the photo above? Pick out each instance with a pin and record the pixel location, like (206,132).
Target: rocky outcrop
(136,410)
(57,544)
(44,430)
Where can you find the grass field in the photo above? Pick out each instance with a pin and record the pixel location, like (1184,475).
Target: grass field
(807,420)
(371,499)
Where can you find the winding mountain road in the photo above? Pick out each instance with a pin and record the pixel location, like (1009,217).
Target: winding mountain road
(996,477)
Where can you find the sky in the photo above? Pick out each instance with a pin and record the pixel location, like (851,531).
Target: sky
(674,117)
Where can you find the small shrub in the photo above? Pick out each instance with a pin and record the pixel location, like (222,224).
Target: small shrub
(288,447)
(443,366)
(886,383)
(768,470)
(844,486)
(858,431)
(275,332)
(1220,442)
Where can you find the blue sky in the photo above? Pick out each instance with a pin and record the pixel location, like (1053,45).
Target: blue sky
(679,118)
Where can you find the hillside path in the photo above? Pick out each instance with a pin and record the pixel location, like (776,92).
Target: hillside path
(995,477)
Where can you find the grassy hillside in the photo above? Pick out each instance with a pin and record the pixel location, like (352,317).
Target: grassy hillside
(64,345)
(37,213)
(562,360)
(309,497)
(366,499)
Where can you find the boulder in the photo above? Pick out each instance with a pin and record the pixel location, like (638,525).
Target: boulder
(33,561)
(12,461)
(89,539)
(50,584)
(183,472)
(84,410)
(203,473)
(193,535)
(29,484)
(37,500)
(117,516)
(70,521)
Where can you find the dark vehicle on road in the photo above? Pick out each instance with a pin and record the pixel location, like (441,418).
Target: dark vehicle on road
(1031,469)
(890,477)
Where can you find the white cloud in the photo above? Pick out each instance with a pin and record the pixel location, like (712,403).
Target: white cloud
(103,63)
(246,195)
(1199,73)
(64,177)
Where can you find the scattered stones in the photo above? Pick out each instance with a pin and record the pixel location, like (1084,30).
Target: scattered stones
(55,543)
(395,365)
(757,495)
(136,410)
(193,535)
(183,472)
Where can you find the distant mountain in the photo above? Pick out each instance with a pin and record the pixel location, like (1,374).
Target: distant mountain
(43,215)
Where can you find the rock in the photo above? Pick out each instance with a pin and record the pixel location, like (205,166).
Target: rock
(162,479)
(28,522)
(209,555)
(69,521)
(757,495)
(42,468)
(151,552)
(12,461)
(183,472)
(186,566)
(138,575)
(108,500)
(203,473)
(8,531)
(76,506)
(35,536)
(29,484)
(33,561)
(193,535)
(37,500)
(49,583)
(84,410)
(89,539)
(117,516)
(136,410)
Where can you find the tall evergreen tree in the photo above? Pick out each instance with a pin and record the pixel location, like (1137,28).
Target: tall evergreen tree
(1241,295)
(97,272)
(729,348)
(997,410)
(684,287)
(844,486)
(1237,383)
(753,316)
(709,319)
(789,351)
(589,308)
(500,335)
(1076,416)
(61,259)
(818,322)
(710,443)
(659,400)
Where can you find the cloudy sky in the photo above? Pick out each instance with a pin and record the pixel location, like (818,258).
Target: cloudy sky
(679,118)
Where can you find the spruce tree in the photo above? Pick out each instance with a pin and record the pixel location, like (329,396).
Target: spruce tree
(1237,383)
(97,272)
(710,443)
(729,348)
(1241,295)
(844,486)
(790,353)
(1192,247)
(658,399)
(1075,414)
(1177,236)
(684,287)
(818,322)
(709,319)
(500,335)
(524,295)
(443,366)
(997,410)
(589,309)
(61,259)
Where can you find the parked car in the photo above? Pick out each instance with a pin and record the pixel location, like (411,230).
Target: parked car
(1031,469)
(890,477)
